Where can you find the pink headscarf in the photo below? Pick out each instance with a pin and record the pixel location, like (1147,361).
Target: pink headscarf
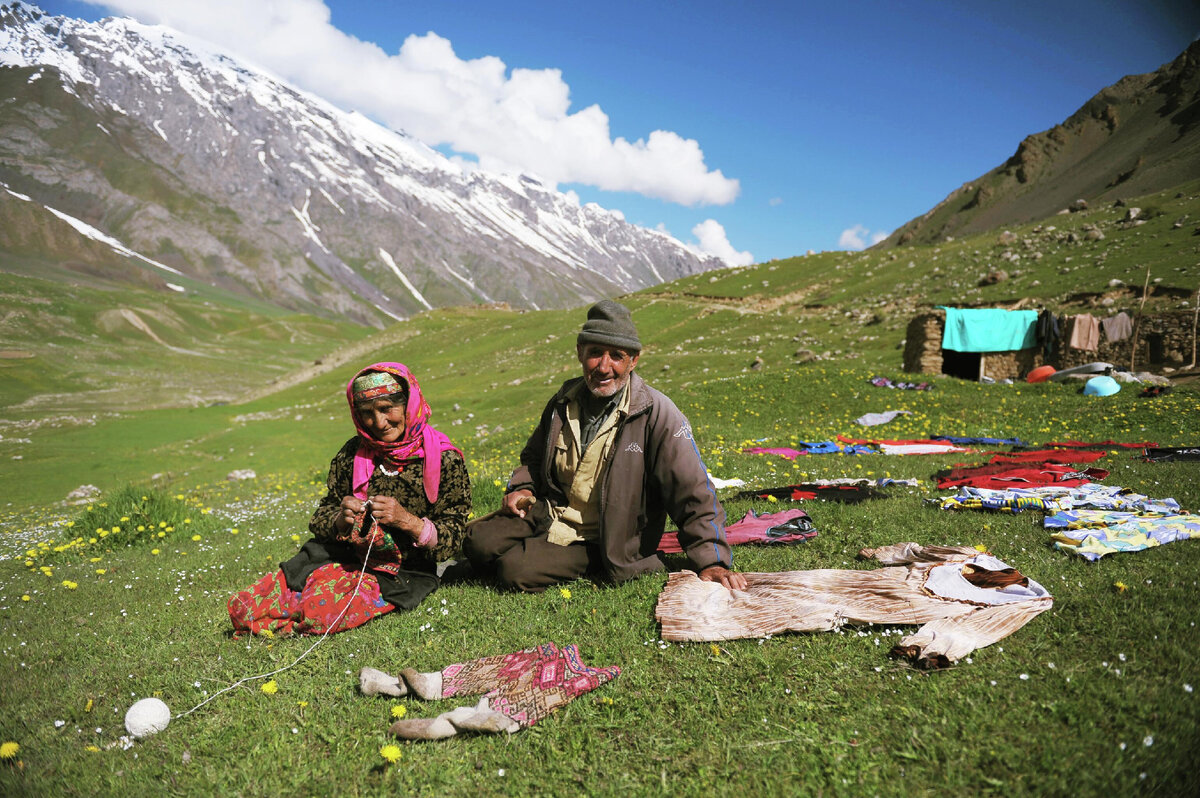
(418,441)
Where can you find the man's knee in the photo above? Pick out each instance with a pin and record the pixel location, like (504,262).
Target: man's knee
(488,540)
(517,570)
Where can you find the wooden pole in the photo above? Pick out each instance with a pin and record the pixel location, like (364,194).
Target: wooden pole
(1195,319)
(1137,323)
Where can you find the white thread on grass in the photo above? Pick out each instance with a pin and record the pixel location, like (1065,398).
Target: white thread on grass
(332,626)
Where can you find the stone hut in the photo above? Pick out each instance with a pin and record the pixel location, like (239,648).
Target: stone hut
(1163,340)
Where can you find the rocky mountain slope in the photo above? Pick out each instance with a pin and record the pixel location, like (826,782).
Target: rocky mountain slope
(1138,136)
(133,153)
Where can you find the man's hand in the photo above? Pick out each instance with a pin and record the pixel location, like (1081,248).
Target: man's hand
(517,502)
(724,576)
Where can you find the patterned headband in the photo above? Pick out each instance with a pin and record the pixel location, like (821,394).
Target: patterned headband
(376,384)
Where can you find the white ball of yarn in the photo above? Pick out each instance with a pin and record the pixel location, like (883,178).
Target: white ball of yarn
(146,717)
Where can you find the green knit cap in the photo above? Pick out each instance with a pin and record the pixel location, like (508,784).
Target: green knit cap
(609,322)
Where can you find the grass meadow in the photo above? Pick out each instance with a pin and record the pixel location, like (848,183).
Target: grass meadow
(106,602)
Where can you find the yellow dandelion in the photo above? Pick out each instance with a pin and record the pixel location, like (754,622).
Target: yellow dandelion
(89,706)
(1120,586)
(389,752)
(270,688)
(69,585)
(399,711)
(91,748)
(101,571)
(25,597)
(295,538)
(141,528)
(155,552)
(302,704)
(716,650)
(267,633)
(195,537)
(9,749)
(980,547)
(565,593)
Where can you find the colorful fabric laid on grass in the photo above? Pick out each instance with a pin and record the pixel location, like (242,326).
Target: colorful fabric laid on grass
(884,382)
(1048,456)
(1156,454)
(1066,503)
(526,685)
(787,526)
(1136,534)
(979,441)
(849,494)
(875,419)
(996,501)
(1099,445)
(918,446)
(1018,475)
(937,586)
(269,605)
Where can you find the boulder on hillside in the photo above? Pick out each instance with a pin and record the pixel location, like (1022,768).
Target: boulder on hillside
(240,474)
(83,494)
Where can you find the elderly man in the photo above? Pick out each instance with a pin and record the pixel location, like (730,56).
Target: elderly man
(610,459)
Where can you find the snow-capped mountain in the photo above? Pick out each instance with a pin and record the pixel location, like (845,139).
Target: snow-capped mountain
(191,163)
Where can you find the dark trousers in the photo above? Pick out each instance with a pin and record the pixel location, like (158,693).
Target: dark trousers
(508,549)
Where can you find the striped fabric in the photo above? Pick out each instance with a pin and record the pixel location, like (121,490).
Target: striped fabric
(954,623)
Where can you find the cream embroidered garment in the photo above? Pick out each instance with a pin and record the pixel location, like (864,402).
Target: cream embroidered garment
(937,586)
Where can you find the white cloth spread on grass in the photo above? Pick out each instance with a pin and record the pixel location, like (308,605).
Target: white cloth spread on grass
(957,620)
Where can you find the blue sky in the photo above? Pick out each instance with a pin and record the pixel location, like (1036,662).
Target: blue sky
(753,130)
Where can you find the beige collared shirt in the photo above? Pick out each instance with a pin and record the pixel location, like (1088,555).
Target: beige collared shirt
(580,472)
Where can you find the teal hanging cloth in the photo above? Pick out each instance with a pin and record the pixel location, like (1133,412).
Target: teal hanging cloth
(989,329)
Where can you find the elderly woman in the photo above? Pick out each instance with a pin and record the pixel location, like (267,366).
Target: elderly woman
(397,503)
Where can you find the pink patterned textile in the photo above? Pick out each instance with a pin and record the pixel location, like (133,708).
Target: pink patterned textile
(526,685)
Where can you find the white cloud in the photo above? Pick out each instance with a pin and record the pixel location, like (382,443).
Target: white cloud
(775,201)
(713,241)
(511,120)
(859,237)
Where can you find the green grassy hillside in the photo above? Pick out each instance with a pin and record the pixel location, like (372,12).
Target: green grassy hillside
(1094,697)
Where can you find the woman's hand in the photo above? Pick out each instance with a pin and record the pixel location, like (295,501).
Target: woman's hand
(389,512)
(351,507)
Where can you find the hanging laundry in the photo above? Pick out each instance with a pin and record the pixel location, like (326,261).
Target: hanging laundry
(1049,334)
(788,526)
(875,419)
(848,494)
(987,441)
(1154,454)
(989,329)
(1085,332)
(931,585)
(1118,327)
